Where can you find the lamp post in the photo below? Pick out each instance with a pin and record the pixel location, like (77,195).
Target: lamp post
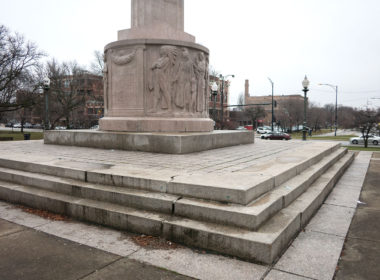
(223,78)
(272,100)
(46,86)
(305,84)
(214,92)
(336,104)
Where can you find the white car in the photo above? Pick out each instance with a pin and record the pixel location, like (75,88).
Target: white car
(263,130)
(360,140)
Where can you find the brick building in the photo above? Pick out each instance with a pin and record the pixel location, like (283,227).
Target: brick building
(84,89)
(282,103)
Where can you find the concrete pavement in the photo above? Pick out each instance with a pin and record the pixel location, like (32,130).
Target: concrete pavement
(31,254)
(360,257)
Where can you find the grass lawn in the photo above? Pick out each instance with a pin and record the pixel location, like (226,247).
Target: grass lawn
(361,148)
(336,138)
(17,135)
(298,135)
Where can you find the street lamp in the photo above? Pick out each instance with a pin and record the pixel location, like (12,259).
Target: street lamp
(214,92)
(305,84)
(223,78)
(272,100)
(336,104)
(46,86)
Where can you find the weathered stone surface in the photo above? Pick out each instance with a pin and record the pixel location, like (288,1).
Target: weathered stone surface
(168,143)
(312,255)
(331,219)
(177,174)
(280,275)
(158,19)
(155,76)
(156,86)
(200,265)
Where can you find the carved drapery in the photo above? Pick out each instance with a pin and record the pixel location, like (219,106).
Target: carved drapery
(177,83)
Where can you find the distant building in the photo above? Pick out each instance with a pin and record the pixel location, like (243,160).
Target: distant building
(280,102)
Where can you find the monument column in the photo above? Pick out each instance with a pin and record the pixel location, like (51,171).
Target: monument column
(156,76)
(155,90)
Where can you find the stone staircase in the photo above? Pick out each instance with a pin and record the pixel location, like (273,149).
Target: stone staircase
(252,214)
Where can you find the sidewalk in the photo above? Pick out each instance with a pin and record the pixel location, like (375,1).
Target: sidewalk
(31,254)
(32,247)
(360,258)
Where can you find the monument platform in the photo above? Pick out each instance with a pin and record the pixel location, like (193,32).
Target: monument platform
(167,143)
(247,201)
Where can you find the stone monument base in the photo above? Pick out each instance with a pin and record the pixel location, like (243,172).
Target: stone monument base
(146,124)
(168,143)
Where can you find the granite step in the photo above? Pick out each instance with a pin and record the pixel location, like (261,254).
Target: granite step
(241,187)
(251,216)
(263,245)
(268,242)
(260,210)
(103,213)
(154,201)
(244,186)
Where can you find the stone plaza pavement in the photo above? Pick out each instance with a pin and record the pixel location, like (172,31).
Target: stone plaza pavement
(218,161)
(314,254)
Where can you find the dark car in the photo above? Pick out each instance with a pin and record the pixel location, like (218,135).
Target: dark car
(276,136)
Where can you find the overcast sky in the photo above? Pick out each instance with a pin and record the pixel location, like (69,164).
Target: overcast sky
(331,41)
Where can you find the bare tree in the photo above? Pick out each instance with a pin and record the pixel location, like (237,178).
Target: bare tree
(213,72)
(97,65)
(330,115)
(317,116)
(240,99)
(283,119)
(366,120)
(294,110)
(346,117)
(19,69)
(255,113)
(65,90)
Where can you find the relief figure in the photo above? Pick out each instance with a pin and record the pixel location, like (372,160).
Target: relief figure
(105,81)
(185,77)
(201,75)
(162,78)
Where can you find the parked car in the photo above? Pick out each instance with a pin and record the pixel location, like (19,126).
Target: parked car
(263,130)
(276,136)
(241,128)
(27,125)
(37,125)
(360,140)
(17,125)
(9,124)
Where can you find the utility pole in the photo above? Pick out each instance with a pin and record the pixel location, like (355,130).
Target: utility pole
(272,102)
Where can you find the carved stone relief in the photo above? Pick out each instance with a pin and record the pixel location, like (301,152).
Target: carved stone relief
(105,82)
(123,59)
(122,79)
(177,82)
